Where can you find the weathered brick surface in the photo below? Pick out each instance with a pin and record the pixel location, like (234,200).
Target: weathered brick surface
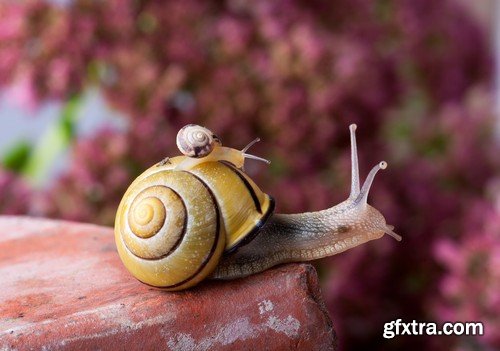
(62,286)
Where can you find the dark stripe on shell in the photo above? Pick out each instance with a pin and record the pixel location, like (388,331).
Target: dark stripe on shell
(202,151)
(246,183)
(253,233)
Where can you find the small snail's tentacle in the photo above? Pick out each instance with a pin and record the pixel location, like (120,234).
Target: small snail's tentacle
(354,163)
(250,144)
(253,157)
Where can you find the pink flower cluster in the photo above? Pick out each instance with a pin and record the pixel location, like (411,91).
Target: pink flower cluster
(15,195)
(41,50)
(471,287)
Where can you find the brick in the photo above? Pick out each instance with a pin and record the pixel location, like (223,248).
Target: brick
(63,287)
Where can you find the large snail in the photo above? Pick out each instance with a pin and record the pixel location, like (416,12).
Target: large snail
(200,216)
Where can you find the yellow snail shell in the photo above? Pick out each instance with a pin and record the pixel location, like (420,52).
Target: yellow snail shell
(172,226)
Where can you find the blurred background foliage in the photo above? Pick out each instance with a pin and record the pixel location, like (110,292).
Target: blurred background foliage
(413,74)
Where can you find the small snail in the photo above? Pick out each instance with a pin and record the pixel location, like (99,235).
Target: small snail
(200,216)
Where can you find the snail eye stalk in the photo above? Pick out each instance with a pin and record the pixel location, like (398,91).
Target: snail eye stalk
(253,157)
(250,144)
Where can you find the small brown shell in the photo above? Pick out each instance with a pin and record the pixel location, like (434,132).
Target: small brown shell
(196,141)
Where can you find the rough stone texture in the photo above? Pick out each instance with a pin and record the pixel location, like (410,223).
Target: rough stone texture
(62,286)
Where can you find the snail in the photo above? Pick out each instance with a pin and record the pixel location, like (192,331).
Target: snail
(201,216)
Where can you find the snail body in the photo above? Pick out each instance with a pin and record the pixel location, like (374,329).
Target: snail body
(195,217)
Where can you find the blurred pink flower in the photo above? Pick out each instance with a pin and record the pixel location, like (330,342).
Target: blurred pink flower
(12,21)
(22,94)
(470,288)
(15,194)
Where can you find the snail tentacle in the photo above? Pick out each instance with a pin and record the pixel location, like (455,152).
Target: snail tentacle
(252,157)
(354,163)
(250,144)
(362,197)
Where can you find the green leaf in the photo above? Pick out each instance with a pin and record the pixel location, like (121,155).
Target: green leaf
(57,138)
(16,158)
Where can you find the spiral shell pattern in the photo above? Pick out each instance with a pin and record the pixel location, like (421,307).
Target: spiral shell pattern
(196,141)
(173,225)
(159,243)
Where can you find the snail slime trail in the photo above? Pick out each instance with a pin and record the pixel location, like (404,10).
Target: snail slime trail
(199,216)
